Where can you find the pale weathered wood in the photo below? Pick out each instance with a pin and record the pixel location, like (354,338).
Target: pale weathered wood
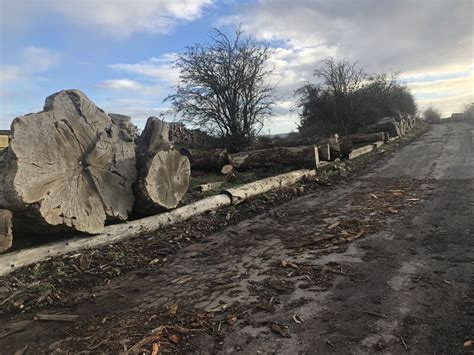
(57,317)
(163,173)
(209,186)
(275,157)
(361,151)
(246,191)
(112,234)
(377,145)
(6,234)
(368,137)
(207,160)
(69,166)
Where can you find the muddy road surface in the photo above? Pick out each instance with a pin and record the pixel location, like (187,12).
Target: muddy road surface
(379,264)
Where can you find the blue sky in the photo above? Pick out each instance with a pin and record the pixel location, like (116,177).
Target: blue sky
(120,52)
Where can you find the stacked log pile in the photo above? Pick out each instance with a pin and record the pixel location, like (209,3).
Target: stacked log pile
(72,168)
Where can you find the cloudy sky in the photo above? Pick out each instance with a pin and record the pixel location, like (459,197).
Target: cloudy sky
(120,52)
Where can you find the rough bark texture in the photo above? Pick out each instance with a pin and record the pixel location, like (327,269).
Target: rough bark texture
(334,148)
(207,160)
(163,177)
(345,145)
(69,166)
(6,234)
(369,137)
(324,152)
(273,157)
(387,124)
(125,123)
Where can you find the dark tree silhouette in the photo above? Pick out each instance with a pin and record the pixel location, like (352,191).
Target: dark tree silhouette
(224,88)
(346,98)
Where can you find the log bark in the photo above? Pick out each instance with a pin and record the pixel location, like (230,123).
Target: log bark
(6,234)
(368,137)
(324,152)
(386,124)
(68,166)
(207,160)
(163,175)
(302,157)
(334,148)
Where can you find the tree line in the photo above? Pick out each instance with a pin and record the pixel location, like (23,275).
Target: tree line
(225,90)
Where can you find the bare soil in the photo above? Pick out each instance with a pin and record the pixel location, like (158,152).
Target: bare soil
(351,262)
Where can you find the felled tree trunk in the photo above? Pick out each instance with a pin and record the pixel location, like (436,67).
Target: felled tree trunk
(207,160)
(68,166)
(386,124)
(6,234)
(275,157)
(334,148)
(368,138)
(163,175)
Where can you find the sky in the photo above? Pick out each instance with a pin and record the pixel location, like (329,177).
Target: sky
(120,53)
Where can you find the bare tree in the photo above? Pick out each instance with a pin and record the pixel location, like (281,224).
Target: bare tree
(345,98)
(224,88)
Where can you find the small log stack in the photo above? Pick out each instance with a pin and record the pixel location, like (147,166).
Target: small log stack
(163,173)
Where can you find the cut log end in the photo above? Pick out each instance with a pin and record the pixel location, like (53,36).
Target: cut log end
(167,179)
(70,165)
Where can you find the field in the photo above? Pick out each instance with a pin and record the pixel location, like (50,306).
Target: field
(3,141)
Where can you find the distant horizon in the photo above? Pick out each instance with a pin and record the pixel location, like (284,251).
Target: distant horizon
(120,53)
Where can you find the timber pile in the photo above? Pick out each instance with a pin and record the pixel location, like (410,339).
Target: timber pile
(163,172)
(68,166)
(73,168)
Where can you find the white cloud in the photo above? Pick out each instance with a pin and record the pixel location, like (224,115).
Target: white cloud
(424,39)
(157,69)
(118,18)
(31,60)
(120,84)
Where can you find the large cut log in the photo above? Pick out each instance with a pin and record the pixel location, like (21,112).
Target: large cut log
(125,123)
(68,166)
(6,234)
(163,175)
(275,157)
(386,124)
(368,138)
(207,160)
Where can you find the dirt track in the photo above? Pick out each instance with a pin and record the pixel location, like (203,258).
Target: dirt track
(384,263)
